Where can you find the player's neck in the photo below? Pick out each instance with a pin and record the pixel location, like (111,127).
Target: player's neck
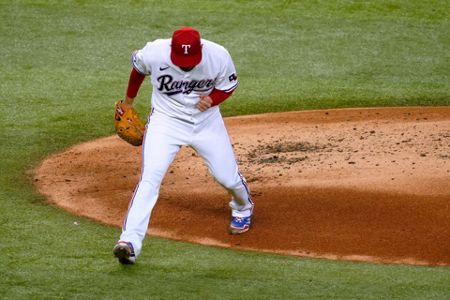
(186,69)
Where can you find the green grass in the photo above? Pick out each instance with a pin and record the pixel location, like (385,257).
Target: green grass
(64,63)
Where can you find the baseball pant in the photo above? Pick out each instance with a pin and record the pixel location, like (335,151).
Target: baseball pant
(163,138)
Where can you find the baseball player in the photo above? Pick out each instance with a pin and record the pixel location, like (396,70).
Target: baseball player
(190,77)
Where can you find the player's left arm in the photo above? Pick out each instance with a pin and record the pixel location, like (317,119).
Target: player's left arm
(227,82)
(215,98)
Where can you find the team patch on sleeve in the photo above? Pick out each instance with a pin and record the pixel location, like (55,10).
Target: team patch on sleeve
(232,77)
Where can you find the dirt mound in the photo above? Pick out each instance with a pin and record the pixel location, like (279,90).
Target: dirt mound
(358,184)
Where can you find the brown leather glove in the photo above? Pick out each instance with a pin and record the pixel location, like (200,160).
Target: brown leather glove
(128,125)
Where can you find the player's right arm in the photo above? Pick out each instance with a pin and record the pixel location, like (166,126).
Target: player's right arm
(134,83)
(141,68)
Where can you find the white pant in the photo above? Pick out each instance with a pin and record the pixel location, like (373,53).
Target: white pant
(163,139)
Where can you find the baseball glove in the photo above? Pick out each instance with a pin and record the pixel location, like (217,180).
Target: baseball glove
(128,125)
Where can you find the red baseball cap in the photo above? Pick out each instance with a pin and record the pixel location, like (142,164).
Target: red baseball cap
(186,48)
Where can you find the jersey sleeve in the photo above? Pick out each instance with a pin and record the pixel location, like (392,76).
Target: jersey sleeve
(140,59)
(227,80)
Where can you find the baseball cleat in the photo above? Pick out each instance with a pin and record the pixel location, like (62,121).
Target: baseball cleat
(124,252)
(240,225)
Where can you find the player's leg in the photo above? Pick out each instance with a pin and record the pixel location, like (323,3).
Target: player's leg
(213,145)
(159,149)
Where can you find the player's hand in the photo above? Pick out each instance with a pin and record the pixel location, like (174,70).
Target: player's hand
(128,102)
(204,103)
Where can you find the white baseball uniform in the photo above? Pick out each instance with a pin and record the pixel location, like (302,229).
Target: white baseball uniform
(175,121)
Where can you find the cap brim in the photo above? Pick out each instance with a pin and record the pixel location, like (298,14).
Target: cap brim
(186,61)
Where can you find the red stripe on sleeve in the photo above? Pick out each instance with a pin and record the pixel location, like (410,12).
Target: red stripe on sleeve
(218,96)
(134,83)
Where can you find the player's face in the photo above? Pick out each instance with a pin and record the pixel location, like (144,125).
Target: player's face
(187,69)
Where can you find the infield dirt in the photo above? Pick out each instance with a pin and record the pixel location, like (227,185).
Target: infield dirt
(355,184)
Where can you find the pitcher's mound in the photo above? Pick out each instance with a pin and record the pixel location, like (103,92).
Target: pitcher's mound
(357,184)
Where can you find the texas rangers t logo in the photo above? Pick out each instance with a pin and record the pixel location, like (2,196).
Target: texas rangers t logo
(186,47)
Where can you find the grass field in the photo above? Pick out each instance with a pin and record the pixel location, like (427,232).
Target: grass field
(63,65)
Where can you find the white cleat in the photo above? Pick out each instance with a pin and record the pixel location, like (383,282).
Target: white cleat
(124,252)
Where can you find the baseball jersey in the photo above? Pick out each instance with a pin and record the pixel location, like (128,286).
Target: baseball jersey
(176,92)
